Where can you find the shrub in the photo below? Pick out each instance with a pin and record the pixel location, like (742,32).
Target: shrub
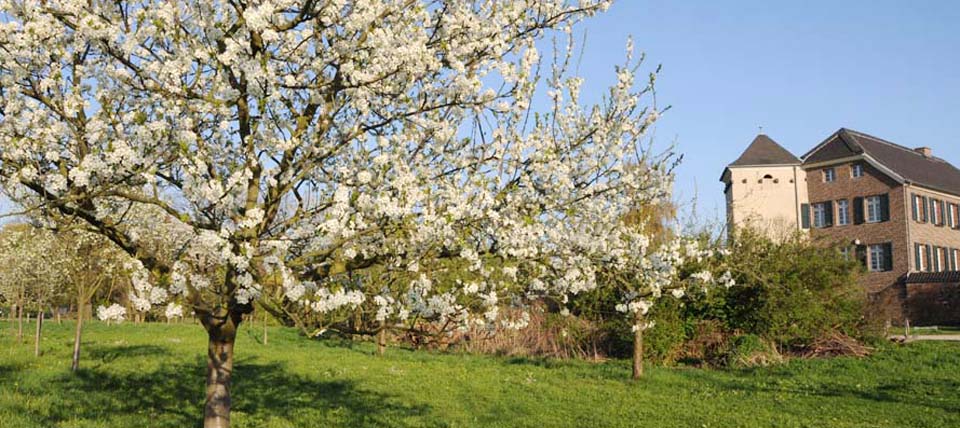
(792,291)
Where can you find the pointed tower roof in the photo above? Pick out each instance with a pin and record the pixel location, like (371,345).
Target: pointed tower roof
(765,151)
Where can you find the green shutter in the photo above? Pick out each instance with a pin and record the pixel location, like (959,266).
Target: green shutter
(885,207)
(926,210)
(828,209)
(805,216)
(929,251)
(887,257)
(857,210)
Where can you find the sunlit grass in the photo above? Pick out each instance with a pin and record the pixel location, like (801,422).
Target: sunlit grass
(152,376)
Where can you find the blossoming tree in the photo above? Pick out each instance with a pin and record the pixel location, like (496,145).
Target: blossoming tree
(301,139)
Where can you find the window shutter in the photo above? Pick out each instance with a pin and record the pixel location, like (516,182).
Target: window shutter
(887,257)
(805,216)
(929,253)
(926,210)
(932,210)
(949,214)
(828,209)
(862,254)
(916,216)
(857,210)
(885,207)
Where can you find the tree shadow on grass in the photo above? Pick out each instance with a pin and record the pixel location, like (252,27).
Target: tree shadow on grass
(110,353)
(172,396)
(931,393)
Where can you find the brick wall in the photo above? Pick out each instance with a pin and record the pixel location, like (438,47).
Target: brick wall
(894,231)
(927,233)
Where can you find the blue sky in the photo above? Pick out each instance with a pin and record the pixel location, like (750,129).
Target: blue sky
(799,69)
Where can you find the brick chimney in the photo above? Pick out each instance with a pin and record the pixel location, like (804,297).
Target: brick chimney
(925,151)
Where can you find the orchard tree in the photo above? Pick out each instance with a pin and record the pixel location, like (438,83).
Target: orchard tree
(303,139)
(31,272)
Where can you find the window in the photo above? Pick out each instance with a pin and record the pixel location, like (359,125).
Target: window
(920,207)
(874,209)
(856,171)
(843,212)
(879,258)
(821,215)
(829,175)
(953,219)
(845,253)
(954,257)
(936,212)
(937,259)
(920,257)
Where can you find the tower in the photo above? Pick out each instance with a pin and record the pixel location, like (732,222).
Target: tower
(765,189)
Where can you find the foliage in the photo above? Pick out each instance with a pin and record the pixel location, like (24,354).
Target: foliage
(144,375)
(791,292)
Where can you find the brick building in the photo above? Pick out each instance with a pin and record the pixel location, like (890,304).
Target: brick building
(894,208)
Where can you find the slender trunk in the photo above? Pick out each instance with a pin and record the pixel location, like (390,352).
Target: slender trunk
(382,340)
(36,337)
(75,365)
(265,338)
(638,350)
(20,323)
(221,337)
(59,319)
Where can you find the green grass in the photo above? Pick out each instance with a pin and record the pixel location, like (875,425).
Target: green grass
(152,376)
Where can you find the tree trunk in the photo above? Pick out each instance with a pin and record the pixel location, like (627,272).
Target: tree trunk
(36,337)
(265,339)
(638,350)
(382,340)
(222,334)
(20,323)
(75,365)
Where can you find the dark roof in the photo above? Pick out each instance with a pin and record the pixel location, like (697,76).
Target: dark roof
(764,151)
(932,277)
(930,172)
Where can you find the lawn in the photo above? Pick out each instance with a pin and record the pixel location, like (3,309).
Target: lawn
(152,376)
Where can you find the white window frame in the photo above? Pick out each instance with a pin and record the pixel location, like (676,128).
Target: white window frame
(938,255)
(874,210)
(918,207)
(856,171)
(934,216)
(843,212)
(819,215)
(829,175)
(921,256)
(876,262)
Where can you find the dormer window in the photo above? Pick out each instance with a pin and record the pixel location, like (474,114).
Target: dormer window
(829,175)
(856,171)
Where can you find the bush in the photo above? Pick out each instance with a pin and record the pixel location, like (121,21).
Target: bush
(791,292)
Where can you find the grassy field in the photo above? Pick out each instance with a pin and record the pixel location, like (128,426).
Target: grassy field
(152,376)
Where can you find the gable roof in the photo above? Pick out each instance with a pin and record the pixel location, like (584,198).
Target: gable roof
(765,151)
(930,172)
